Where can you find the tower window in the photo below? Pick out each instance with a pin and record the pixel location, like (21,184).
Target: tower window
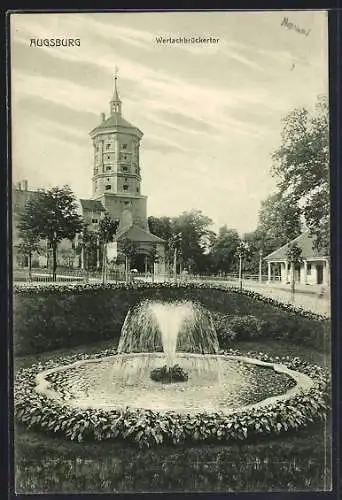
(126,179)
(108,146)
(125,187)
(124,146)
(137,190)
(126,202)
(108,187)
(108,157)
(94,221)
(124,169)
(108,168)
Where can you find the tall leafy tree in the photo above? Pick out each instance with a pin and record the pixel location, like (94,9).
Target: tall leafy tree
(163,227)
(279,220)
(154,257)
(28,245)
(88,244)
(106,231)
(301,165)
(224,249)
(192,245)
(294,255)
(129,249)
(257,242)
(194,228)
(52,215)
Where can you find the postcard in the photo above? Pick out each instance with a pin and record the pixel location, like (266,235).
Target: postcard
(171,251)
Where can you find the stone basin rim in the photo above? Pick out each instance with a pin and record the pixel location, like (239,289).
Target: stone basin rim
(303,382)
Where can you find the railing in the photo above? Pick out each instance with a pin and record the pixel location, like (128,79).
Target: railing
(231,277)
(77,275)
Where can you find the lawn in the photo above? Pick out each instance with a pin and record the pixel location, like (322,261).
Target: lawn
(293,461)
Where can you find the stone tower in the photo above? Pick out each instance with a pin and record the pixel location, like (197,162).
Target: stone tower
(116,168)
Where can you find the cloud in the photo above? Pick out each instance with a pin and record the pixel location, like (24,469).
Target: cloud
(210,114)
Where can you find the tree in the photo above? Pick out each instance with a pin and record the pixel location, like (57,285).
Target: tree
(163,227)
(223,252)
(242,251)
(30,243)
(259,246)
(106,231)
(279,220)
(195,235)
(51,215)
(301,165)
(194,229)
(88,242)
(294,256)
(154,257)
(129,249)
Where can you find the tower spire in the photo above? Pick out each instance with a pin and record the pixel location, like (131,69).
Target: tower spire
(116,72)
(115,103)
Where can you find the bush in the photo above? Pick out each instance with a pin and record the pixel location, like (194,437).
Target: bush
(61,316)
(222,326)
(245,327)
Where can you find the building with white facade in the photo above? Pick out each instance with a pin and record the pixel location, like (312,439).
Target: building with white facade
(313,270)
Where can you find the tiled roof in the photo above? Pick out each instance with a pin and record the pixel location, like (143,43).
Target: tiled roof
(92,205)
(114,121)
(304,241)
(136,233)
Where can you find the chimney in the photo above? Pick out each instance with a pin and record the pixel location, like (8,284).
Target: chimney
(25,185)
(103,117)
(19,186)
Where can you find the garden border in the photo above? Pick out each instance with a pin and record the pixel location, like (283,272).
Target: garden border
(147,428)
(82,287)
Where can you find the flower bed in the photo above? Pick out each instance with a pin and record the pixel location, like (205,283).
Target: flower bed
(54,316)
(147,428)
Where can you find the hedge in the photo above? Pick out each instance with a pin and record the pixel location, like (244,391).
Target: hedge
(61,316)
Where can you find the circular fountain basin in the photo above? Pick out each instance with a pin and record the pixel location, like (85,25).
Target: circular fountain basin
(219,384)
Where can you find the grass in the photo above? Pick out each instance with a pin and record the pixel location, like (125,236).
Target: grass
(291,462)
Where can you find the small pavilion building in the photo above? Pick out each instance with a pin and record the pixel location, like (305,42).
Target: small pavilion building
(313,270)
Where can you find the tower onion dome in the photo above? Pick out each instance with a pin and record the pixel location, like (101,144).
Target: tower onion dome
(115,120)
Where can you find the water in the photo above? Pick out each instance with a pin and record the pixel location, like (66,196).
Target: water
(156,334)
(169,328)
(241,384)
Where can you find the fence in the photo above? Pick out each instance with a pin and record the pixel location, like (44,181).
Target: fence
(77,275)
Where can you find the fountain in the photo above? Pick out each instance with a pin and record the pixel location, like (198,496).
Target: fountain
(171,328)
(167,372)
(168,360)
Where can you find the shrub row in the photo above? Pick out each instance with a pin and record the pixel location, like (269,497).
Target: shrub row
(60,316)
(80,288)
(147,428)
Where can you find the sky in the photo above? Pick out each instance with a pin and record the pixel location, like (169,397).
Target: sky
(210,113)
